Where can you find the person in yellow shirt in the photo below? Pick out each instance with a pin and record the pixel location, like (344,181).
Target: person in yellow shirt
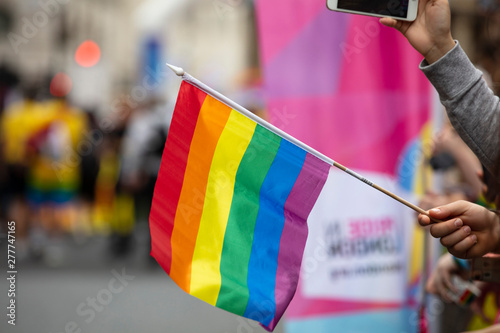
(19,121)
(54,175)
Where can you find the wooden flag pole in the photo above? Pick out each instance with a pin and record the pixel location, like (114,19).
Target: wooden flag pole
(186,77)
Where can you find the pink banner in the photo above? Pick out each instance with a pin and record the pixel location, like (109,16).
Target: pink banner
(342,83)
(350,88)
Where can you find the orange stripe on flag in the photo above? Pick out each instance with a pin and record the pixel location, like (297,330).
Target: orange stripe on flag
(211,121)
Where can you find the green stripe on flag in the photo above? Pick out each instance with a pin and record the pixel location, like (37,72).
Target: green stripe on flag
(238,239)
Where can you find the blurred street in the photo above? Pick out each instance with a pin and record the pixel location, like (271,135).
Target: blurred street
(86,104)
(54,300)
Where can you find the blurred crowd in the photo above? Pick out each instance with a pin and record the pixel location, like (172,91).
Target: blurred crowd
(461,176)
(66,175)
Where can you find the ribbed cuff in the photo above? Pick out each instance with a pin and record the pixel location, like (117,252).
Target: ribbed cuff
(452,73)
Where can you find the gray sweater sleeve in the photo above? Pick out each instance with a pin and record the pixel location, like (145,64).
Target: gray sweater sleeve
(472,107)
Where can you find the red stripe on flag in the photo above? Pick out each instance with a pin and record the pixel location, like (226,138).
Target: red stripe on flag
(171,175)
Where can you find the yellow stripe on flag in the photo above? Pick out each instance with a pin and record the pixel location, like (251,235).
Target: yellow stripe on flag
(234,140)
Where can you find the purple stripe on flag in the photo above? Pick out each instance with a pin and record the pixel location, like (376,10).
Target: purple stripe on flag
(299,204)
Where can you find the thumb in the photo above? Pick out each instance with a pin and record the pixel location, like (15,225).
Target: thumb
(401,26)
(452,209)
(388,22)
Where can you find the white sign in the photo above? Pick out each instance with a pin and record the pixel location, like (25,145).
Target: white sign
(359,239)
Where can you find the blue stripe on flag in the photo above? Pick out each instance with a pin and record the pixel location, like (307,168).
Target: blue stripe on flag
(263,263)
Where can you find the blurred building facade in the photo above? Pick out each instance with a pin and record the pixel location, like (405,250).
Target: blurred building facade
(214,40)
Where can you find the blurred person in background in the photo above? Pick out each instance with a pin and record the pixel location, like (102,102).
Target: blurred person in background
(459,168)
(8,84)
(451,153)
(89,171)
(114,207)
(142,149)
(18,123)
(106,210)
(485,307)
(55,147)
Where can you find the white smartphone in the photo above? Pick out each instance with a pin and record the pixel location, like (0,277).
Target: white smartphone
(398,9)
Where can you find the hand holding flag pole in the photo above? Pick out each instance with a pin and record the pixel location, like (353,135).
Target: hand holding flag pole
(187,77)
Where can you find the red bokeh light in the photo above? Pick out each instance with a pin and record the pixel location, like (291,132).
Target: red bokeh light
(61,85)
(88,54)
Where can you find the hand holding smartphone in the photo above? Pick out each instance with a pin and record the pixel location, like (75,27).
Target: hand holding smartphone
(405,10)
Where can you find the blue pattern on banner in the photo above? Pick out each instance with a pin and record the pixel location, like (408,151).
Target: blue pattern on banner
(373,322)
(408,164)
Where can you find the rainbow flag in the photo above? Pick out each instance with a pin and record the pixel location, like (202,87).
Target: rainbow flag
(228,218)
